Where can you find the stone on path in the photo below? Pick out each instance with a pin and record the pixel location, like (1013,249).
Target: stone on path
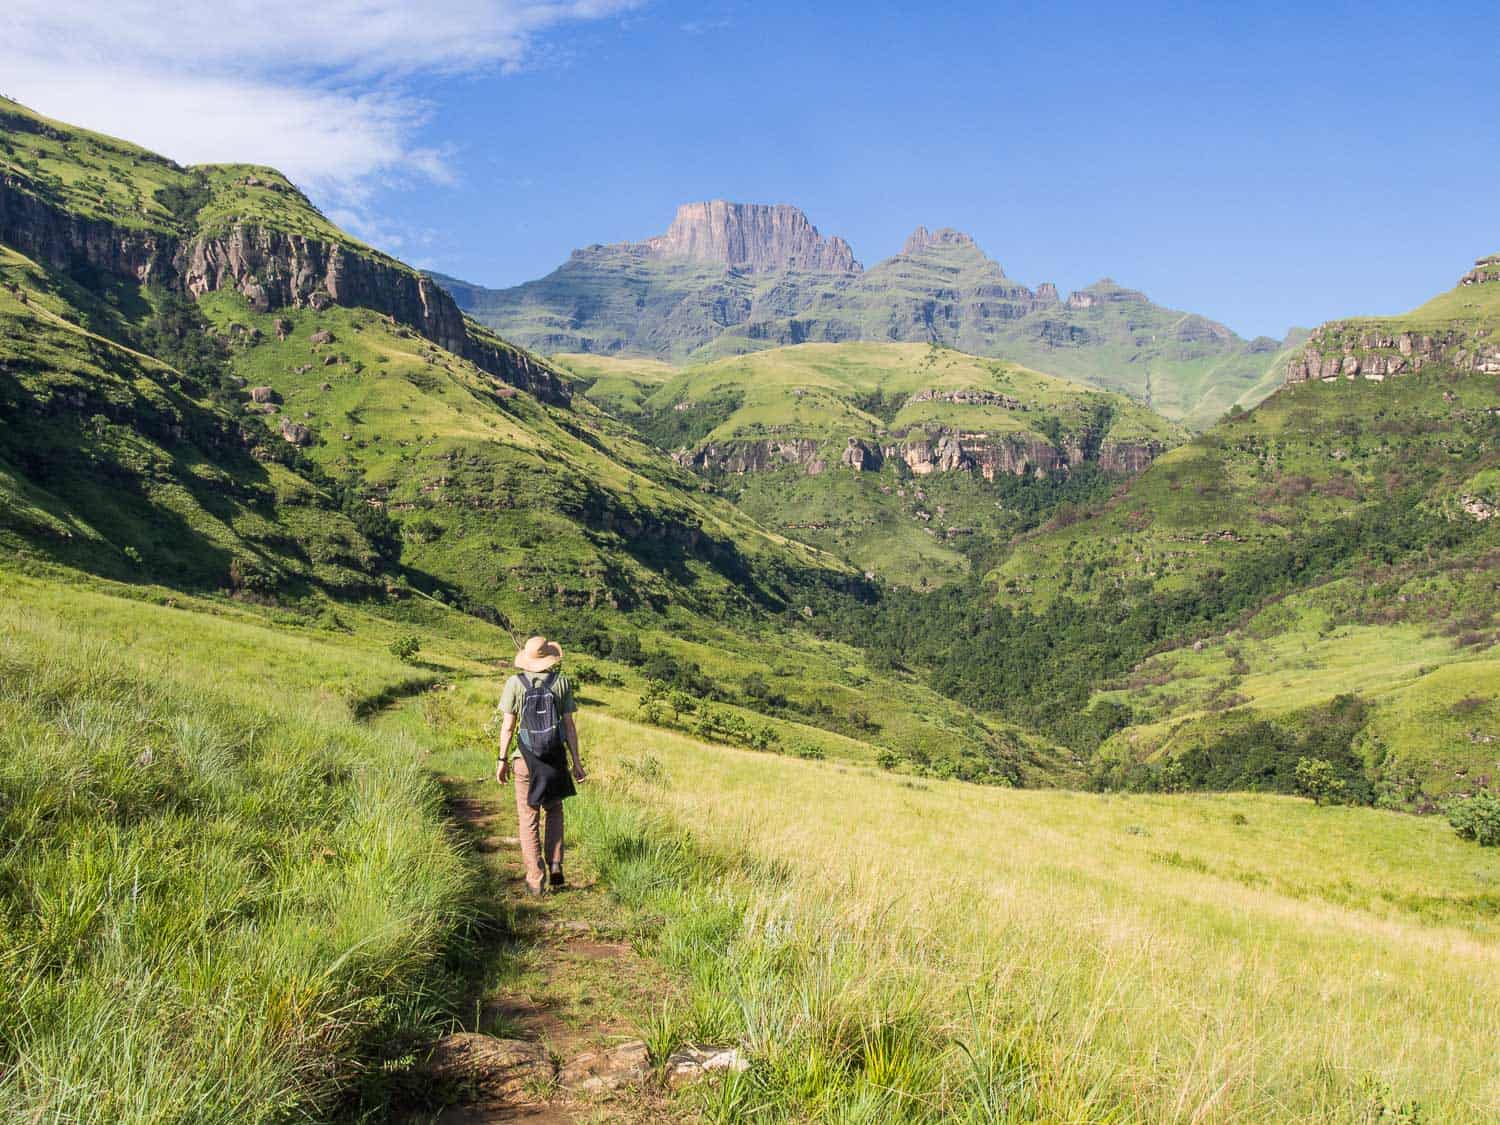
(629,1064)
(508,1069)
(692,1063)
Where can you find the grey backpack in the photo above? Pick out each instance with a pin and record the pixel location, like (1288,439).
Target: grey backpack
(541,732)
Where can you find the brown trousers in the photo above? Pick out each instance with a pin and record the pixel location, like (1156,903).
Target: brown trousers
(529,825)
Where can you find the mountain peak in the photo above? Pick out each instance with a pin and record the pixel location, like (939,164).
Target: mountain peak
(922,238)
(754,236)
(1105,291)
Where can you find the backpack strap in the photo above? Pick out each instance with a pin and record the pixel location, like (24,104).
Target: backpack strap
(551,678)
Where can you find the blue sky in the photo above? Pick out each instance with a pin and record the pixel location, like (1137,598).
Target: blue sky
(1265,164)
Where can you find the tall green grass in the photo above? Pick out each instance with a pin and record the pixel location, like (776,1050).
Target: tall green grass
(889,950)
(209,909)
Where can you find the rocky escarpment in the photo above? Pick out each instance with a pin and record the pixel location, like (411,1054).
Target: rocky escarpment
(62,239)
(272,269)
(753,456)
(1352,351)
(1105,292)
(752,236)
(923,452)
(947,451)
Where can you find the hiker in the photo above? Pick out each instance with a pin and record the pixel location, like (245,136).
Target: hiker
(539,701)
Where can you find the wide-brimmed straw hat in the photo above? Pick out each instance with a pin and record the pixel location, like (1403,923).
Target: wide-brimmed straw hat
(539,655)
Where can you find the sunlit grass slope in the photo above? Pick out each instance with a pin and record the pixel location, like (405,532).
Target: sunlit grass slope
(938,952)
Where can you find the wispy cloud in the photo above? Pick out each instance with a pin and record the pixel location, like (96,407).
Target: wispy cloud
(328,90)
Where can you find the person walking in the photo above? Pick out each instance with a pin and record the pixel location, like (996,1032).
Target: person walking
(537,704)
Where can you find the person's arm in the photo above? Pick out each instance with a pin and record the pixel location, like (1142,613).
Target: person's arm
(570,735)
(507,731)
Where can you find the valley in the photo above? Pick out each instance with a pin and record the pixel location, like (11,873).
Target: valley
(1001,706)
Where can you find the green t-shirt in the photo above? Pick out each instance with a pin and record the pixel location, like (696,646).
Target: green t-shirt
(514,693)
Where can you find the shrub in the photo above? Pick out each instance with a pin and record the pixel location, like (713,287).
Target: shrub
(1476,818)
(1319,780)
(406,647)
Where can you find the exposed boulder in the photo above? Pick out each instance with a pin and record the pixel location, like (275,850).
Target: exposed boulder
(321,336)
(263,394)
(283,328)
(693,1063)
(628,1064)
(295,432)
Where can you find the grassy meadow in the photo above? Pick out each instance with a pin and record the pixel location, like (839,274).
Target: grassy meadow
(890,949)
(210,858)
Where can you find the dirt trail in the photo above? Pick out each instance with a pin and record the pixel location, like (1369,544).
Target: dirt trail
(570,979)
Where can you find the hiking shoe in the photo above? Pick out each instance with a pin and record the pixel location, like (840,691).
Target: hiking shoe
(556,881)
(536,892)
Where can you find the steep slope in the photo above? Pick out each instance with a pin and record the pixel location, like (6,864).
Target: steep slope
(734,278)
(116,462)
(903,457)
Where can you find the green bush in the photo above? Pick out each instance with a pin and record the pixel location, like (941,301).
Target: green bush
(1476,818)
(1319,780)
(406,647)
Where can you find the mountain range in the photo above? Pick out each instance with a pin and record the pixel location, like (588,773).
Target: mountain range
(730,278)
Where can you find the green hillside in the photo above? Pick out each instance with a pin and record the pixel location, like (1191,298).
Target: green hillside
(1310,578)
(907,459)
(113,461)
(897,665)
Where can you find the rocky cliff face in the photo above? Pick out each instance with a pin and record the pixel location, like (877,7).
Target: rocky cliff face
(60,239)
(923,239)
(752,236)
(922,452)
(272,270)
(1353,352)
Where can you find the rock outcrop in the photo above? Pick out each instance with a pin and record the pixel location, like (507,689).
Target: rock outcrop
(1485,270)
(860,457)
(753,456)
(923,239)
(1353,351)
(753,236)
(272,269)
(922,452)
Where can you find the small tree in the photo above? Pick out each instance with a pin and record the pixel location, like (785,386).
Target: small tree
(406,647)
(1317,778)
(1476,818)
(682,704)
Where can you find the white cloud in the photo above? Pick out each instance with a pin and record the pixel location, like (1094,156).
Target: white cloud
(324,90)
